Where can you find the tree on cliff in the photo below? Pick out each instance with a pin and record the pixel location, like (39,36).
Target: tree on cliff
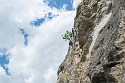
(67,36)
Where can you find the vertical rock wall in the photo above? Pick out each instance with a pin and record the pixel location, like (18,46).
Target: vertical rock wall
(98,54)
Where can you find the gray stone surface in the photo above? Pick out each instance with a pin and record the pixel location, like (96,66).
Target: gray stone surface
(105,63)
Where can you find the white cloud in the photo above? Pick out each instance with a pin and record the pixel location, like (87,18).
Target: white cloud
(2,71)
(50,75)
(39,61)
(3,77)
(76,3)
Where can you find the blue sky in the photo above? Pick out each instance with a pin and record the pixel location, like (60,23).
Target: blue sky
(31,46)
(25,35)
(37,22)
(53,4)
(4,59)
(59,4)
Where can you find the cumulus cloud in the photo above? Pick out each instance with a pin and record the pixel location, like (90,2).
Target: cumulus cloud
(50,75)
(3,77)
(76,2)
(2,71)
(38,61)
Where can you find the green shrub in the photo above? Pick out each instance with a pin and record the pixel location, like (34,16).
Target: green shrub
(67,35)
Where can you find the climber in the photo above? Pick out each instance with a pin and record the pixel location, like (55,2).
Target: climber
(75,35)
(73,32)
(70,43)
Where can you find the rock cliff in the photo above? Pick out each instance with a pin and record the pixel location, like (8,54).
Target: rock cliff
(97,56)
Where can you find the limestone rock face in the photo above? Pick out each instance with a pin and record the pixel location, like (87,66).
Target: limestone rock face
(97,56)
